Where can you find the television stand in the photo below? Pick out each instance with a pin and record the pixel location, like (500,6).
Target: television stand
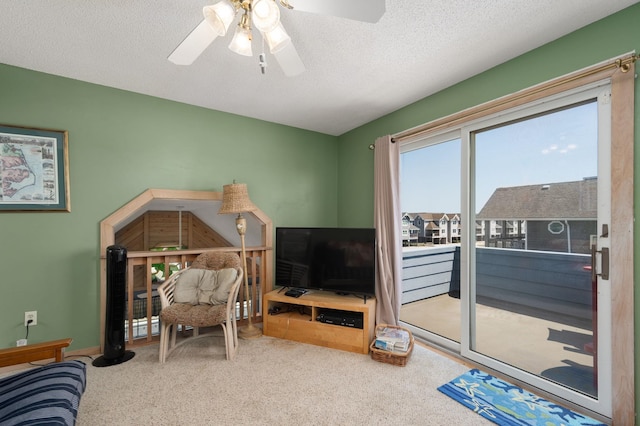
(301,319)
(295,292)
(361,296)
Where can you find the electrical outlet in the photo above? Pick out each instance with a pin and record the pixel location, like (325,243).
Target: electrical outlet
(21,342)
(31,315)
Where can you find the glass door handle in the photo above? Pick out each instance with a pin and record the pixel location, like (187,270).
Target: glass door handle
(604,263)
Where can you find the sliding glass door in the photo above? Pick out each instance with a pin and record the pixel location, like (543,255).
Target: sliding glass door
(514,276)
(539,194)
(430,176)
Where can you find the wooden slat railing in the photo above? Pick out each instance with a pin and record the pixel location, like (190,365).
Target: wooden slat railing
(258,270)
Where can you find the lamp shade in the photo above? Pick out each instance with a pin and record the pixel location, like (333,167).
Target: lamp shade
(266,15)
(219,16)
(235,199)
(241,42)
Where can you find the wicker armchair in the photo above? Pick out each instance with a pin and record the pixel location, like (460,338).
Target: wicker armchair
(176,312)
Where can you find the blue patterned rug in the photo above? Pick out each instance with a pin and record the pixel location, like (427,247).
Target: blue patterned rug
(506,404)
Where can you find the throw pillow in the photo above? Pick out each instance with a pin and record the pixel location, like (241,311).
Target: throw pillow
(187,285)
(208,284)
(215,286)
(226,278)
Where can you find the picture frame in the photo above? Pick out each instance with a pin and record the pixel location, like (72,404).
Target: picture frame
(34,169)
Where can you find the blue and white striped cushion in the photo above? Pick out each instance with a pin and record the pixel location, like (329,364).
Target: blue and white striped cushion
(45,395)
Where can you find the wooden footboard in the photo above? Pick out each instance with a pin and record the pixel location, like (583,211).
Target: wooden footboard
(29,353)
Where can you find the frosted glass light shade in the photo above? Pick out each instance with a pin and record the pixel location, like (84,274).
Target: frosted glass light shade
(219,16)
(277,38)
(241,42)
(265,15)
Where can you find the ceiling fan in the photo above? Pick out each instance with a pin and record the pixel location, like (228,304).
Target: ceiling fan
(264,16)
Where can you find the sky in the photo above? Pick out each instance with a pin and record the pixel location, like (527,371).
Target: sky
(556,147)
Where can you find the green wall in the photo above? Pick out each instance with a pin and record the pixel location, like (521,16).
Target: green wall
(615,35)
(121,144)
(612,36)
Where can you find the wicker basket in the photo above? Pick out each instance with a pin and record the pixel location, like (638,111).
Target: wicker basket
(393,358)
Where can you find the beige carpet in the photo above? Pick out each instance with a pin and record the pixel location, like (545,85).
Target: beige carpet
(272,382)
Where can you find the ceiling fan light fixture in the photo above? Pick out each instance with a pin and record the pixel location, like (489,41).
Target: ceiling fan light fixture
(220,16)
(265,14)
(277,39)
(241,42)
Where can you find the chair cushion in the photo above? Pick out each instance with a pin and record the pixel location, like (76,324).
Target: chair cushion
(215,286)
(201,286)
(217,260)
(186,290)
(193,315)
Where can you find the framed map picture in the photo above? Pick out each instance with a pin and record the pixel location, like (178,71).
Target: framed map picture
(34,169)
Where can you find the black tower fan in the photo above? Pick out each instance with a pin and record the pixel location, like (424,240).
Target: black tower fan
(114,352)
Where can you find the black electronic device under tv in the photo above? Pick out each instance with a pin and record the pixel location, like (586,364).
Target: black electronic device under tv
(341,260)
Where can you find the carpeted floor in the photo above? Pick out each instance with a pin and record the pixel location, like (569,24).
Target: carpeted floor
(272,382)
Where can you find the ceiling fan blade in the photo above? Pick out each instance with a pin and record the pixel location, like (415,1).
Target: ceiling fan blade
(289,61)
(193,45)
(359,10)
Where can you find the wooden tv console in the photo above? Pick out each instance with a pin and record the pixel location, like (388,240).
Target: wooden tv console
(296,318)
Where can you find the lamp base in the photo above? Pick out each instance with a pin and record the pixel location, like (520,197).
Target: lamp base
(249,332)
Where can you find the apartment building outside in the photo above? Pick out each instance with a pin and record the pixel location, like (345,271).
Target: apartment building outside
(559,217)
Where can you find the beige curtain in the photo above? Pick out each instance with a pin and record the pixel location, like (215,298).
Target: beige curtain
(387,220)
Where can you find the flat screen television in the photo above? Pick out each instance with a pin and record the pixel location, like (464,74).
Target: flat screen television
(341,260)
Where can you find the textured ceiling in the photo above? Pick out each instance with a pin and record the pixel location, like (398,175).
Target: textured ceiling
(355,71)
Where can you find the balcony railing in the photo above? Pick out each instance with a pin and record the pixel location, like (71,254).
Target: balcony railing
(550,281)
(144,315)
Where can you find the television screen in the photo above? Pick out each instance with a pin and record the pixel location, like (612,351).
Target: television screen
(332,259)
